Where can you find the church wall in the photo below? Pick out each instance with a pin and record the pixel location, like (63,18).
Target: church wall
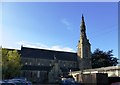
(40,76)
(35,76)
(69,64)
(37,61)
(47,62)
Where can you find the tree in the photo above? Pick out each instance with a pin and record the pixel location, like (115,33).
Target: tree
(103,59)
(10,63)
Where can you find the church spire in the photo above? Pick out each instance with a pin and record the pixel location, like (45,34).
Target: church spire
(83,27)
(82,18)
(83,24)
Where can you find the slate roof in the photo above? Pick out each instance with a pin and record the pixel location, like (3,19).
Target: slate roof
(47,54)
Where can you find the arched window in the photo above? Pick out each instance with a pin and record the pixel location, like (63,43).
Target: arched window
(31,74)
(26,63)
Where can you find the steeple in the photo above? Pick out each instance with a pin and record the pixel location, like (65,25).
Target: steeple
(82,18)
(84,48)
(83,28)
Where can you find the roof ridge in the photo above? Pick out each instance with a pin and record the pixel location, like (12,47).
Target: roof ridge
(48,50)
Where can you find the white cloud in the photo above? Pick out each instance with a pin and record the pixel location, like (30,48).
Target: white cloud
(66,23)
(43,46)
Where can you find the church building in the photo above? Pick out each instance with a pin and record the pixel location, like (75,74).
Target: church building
(41,65)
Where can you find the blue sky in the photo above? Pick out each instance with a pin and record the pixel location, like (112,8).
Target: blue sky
(56,26)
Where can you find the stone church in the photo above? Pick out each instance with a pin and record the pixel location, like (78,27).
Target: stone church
(41,65)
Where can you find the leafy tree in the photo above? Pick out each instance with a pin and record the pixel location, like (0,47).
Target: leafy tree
(103,59)
(0,63)
(10,63)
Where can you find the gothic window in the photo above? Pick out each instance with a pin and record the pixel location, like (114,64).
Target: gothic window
(50,62)
(30,63)
(26,63)
(31,74)
(80,51)
(23,74)
(63,63)
(38,74)
(38,63)
(74,64)
(36,60)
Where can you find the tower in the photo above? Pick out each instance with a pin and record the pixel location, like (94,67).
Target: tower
(84,48)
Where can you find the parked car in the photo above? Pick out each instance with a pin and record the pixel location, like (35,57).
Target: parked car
(15,81)
(68,81)
(20,81)
(116,83)
(6,83)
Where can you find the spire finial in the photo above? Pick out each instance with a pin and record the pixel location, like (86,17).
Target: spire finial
(82,18)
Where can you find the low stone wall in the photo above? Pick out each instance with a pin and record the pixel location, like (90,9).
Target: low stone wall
(113,79)
(94,79)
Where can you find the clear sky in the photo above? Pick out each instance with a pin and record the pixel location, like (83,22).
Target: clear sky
(56,26)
